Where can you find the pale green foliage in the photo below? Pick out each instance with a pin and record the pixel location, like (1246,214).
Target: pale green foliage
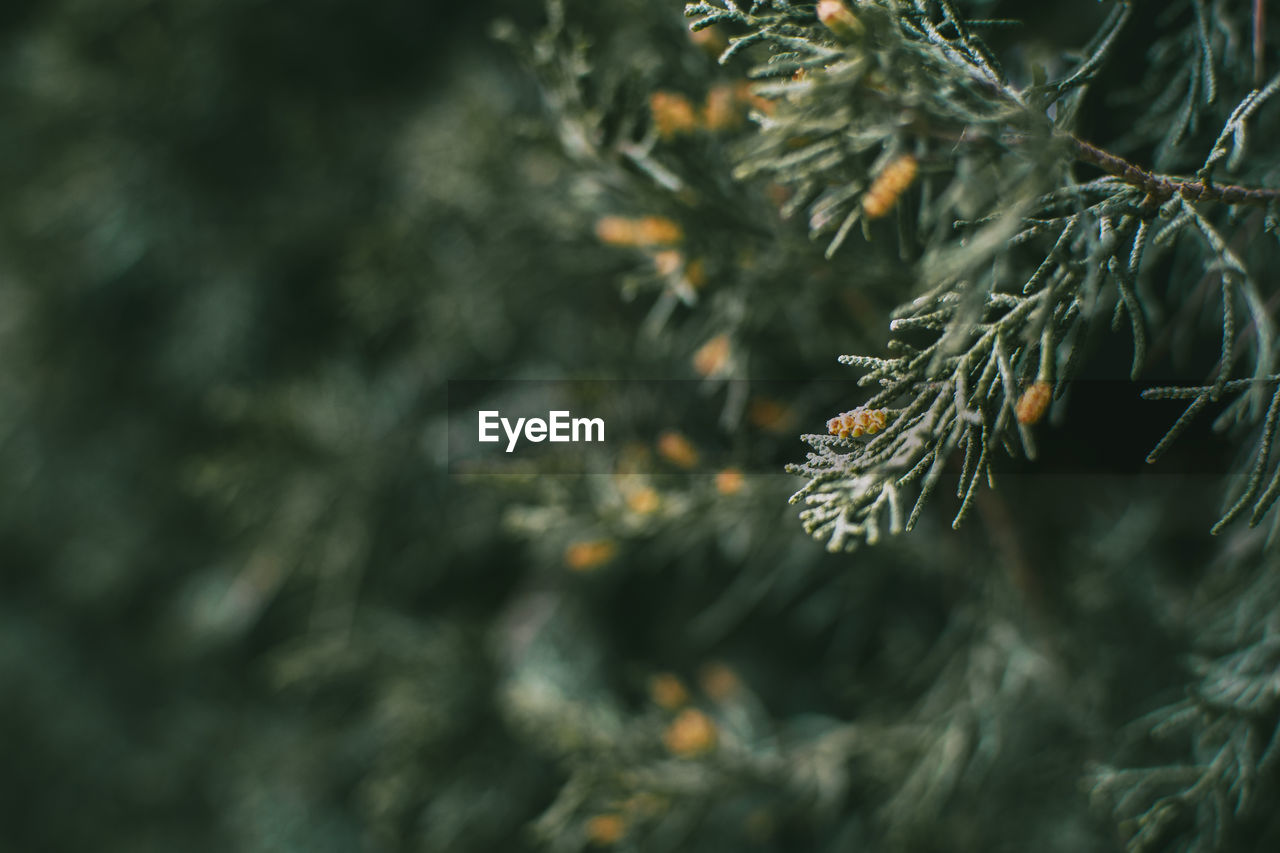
(1014,258)
(1229,720)
(1024,236)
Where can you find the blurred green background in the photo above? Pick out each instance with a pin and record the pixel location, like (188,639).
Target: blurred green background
(243,246)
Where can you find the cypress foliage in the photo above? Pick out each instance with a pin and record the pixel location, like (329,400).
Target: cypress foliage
(935,341)
(1009,199)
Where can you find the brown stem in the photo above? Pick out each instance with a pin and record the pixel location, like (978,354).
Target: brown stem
(1259,40)
(1161,188)
(1007,544)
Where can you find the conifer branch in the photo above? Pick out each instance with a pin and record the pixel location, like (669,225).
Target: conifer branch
(1160,188)
(912,84)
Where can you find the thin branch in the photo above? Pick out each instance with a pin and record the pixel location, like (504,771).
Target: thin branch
(1160,188)
(1259,40)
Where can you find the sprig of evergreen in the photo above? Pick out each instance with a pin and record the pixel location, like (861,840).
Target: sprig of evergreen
(884,80)
(1225,733)
(1007,239)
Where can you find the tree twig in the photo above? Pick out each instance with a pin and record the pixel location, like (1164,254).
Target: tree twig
(1161,188)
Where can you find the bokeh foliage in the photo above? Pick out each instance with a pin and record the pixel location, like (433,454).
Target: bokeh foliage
(248,606)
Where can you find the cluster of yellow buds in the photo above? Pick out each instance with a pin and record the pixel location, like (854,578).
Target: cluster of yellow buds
(678,450)
(858,422)
(837,18)
(585,555)
(671,263)
(1033,402)
(725,109)
(888,186)
(712,358)
(673,114)
(639,232)
(691,733)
